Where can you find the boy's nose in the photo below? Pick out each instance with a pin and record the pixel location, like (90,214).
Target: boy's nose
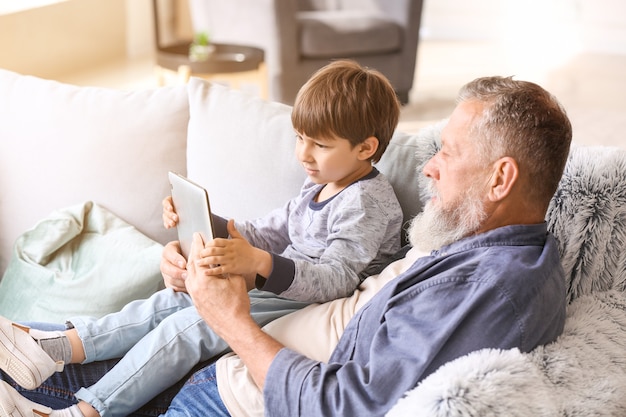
(303,152)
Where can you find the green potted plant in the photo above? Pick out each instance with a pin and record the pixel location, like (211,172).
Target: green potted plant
(201,47)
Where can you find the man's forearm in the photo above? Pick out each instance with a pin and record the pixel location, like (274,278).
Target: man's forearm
(233,323)
(255,348)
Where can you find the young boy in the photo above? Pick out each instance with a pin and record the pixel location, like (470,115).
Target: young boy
(316,248)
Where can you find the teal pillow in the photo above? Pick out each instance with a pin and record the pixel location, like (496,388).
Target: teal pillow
(81,260)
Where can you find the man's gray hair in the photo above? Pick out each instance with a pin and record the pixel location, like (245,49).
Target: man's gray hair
(525,122)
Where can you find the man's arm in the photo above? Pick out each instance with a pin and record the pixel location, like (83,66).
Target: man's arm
(224,304)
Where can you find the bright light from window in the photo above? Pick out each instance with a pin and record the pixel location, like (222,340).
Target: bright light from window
(540,35)
(12,6)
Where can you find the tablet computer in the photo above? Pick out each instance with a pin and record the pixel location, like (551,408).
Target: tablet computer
(191,202)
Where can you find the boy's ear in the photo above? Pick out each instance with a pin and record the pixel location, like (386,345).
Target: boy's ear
(368,148)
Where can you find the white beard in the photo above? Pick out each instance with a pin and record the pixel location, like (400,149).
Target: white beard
(437,225)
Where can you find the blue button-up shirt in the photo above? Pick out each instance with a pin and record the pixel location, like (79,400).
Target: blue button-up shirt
(500,289)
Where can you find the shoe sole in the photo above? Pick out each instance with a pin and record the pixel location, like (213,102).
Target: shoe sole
(15,364)
(5,396)
(13,404)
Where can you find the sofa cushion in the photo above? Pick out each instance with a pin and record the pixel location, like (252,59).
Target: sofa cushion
(61,145)
(241,149)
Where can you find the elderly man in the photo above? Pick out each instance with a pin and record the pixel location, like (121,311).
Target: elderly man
(491,277)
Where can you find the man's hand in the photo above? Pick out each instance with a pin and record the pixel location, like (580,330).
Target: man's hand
(215,296)
(224,304)
(174,267)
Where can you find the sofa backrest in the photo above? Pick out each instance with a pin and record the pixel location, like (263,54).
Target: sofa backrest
(61,145)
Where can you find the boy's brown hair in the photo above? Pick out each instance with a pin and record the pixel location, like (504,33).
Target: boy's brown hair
(347,100)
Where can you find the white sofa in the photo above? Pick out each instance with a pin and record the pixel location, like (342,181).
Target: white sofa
(83,171)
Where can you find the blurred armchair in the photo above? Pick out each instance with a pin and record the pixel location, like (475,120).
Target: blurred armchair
(301,36)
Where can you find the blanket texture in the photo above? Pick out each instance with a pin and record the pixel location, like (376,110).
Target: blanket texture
(588,216)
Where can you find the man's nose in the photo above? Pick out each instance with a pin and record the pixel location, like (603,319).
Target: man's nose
(430,169)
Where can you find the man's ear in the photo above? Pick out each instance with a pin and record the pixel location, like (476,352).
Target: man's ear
(504,176)
(368,148)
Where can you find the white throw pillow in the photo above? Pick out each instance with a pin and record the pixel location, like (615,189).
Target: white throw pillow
(241,149)
(61,145)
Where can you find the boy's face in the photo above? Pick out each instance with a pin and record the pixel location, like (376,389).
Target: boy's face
(332,160)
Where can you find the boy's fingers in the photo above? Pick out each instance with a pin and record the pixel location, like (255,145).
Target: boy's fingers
(232,230)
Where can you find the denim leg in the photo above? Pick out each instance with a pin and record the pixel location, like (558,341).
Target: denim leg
(167,353)
(115,334)
(157,361)
(198,397)
(57,392)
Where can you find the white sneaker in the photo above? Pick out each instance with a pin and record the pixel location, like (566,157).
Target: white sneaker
(22,358)
(12,404)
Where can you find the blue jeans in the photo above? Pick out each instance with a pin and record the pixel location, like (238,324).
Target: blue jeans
(159,341)
(199,397)
(57,392)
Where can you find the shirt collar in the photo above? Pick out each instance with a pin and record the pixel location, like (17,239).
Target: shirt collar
(512,235)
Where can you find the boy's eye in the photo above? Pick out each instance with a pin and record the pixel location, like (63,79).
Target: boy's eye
(320,145)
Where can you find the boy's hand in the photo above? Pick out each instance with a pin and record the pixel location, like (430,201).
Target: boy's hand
(234,256)
(170,218)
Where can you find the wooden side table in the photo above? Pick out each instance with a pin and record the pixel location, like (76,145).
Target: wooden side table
(235,64)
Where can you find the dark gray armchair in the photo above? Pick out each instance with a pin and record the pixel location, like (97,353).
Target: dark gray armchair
(301,36)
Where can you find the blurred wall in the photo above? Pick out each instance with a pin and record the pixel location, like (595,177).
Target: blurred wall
(63,37)
(73,35)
